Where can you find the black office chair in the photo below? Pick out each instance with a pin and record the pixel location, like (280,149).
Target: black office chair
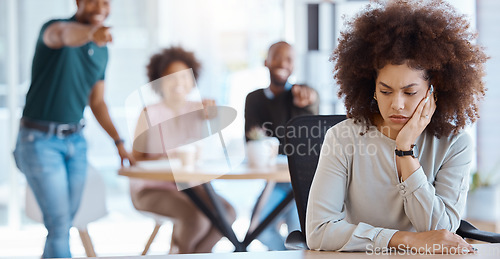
(304,137)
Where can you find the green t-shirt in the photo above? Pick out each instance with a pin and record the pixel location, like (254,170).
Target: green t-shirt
(61,79)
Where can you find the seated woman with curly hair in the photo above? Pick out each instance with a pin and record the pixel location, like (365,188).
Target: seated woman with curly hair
(171,79)
(395,174)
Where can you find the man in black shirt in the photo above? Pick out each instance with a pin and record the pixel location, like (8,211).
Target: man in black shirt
(270,108)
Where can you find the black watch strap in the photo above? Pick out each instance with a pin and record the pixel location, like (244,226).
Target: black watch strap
(410,152)
(404,153)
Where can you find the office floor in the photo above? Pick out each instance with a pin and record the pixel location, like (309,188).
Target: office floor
(124,231)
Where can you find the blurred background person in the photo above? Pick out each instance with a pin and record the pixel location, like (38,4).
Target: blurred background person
(270,109)
(68,73)
(171,78)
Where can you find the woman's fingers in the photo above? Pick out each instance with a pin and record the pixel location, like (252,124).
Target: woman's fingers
(209,113)
(464,244)
(424,111)
(455,244)
(441,242)
(208,102)
(429,106)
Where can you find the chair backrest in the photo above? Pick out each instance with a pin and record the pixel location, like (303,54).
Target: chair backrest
(304,138)
(92,206)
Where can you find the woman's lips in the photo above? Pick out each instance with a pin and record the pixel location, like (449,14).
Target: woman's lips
(398,119)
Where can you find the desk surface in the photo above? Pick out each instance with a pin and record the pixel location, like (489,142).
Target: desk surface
(277,173)
(484,251)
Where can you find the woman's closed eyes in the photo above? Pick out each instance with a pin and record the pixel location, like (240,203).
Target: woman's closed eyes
(407,93)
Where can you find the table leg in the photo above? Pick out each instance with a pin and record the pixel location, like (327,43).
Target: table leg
(222,224)
(221,212)
(204,208)
(254,234)
(266,192)
(216,217)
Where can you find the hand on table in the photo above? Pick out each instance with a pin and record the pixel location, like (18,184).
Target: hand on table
(434,242)
(124,155)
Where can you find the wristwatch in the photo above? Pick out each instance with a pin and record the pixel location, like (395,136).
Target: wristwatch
(412,152)
(119,141)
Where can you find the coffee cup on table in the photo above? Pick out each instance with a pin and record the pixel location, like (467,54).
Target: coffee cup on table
(187,155)
(262,153)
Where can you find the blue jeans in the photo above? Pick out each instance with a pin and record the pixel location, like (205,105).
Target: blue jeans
(55,169)
(271,236)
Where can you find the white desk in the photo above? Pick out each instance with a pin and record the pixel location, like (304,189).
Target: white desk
(484,251)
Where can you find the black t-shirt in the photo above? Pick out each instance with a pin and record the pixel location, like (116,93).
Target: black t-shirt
(273,114)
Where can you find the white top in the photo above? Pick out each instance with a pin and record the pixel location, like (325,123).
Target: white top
(357,201)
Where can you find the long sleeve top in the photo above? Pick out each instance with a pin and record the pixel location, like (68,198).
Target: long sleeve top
(357,201)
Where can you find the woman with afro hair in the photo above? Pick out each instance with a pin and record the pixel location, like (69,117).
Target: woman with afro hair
(395,174)
(172,73)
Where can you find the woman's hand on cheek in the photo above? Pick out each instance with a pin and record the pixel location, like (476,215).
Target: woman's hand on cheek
(419,120)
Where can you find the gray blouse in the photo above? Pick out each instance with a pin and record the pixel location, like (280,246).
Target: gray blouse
(357,202)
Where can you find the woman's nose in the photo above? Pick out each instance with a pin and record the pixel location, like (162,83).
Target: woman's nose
(398,103)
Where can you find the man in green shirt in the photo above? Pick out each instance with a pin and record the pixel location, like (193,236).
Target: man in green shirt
(67,74)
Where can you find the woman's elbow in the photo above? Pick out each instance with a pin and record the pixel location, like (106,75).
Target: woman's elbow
(313,236)
(316,240)
(312,242)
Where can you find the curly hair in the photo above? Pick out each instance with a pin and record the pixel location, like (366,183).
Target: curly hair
(426,35)
(162,60)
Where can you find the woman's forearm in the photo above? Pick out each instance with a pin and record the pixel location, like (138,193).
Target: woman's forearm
(400,239)
(408,165)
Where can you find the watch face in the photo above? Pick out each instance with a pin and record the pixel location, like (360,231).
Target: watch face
(415,151)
